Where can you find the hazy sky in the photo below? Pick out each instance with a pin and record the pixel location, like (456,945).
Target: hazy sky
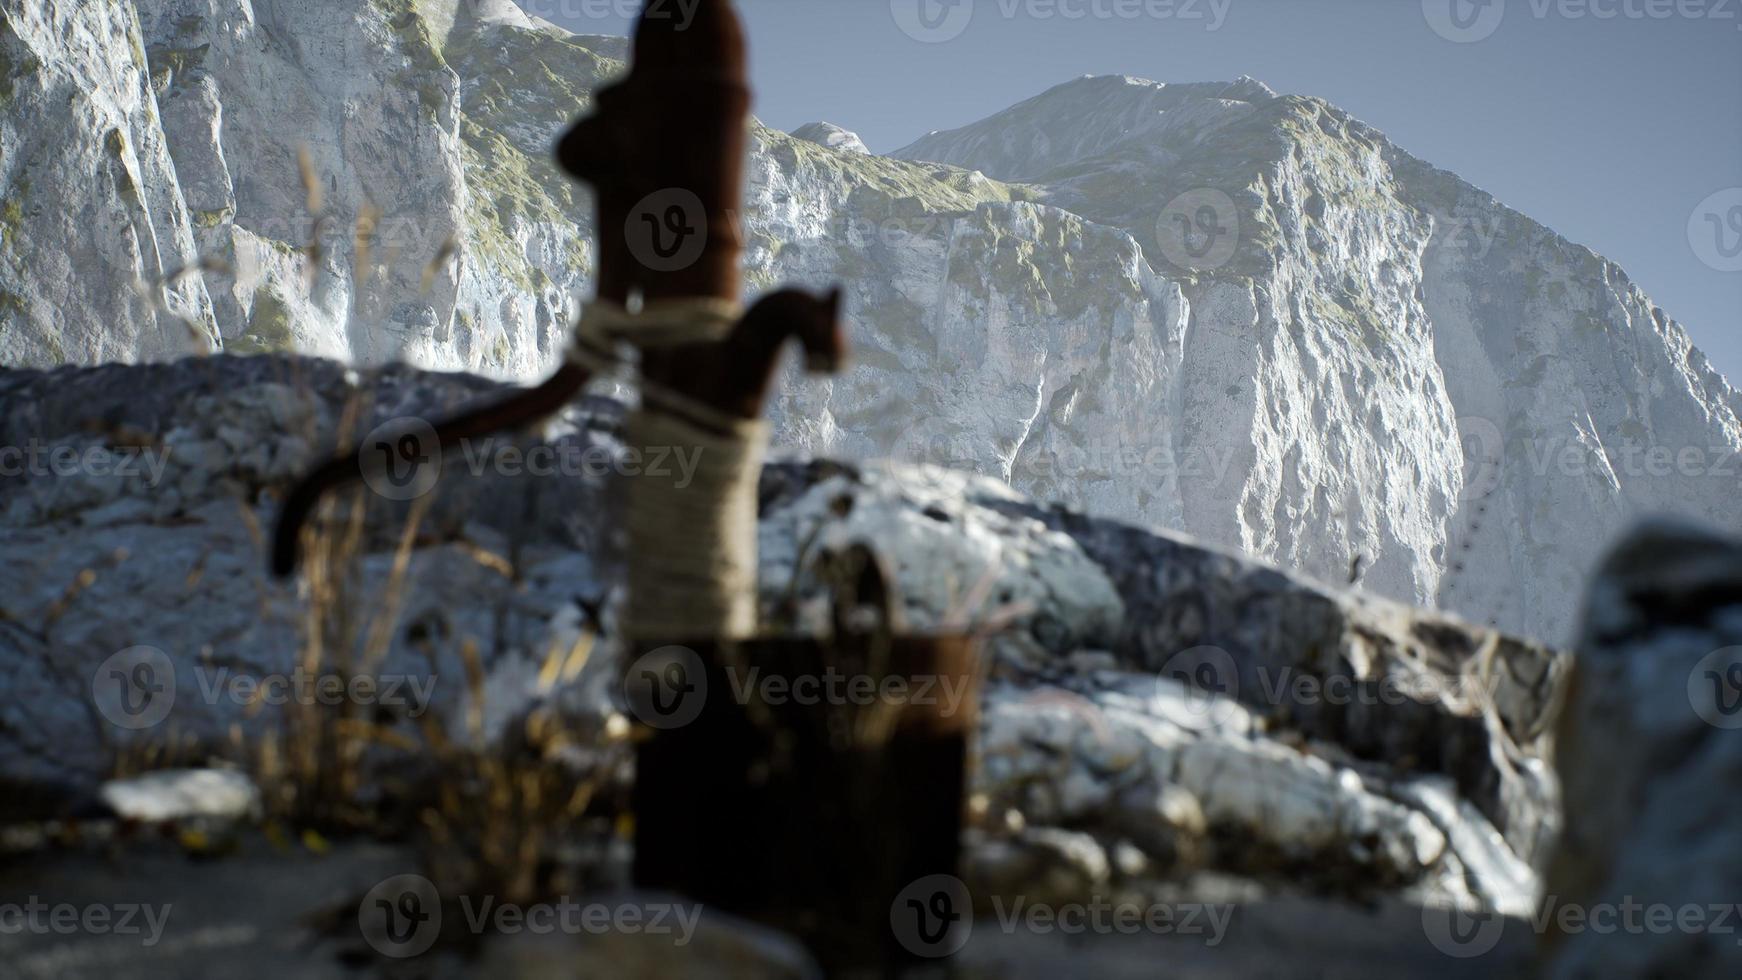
(1614,122)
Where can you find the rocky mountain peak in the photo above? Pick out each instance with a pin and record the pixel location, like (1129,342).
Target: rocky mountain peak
(832,136)
(1200,306)
(1081,119)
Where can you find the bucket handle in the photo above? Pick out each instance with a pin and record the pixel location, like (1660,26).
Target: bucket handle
(864,599)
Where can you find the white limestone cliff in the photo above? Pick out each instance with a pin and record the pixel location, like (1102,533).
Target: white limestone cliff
(93,224)
(1206,307)
(1406,373)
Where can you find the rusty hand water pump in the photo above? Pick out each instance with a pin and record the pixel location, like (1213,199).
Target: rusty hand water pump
(815,818)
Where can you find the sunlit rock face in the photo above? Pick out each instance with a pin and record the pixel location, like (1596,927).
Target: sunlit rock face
(90,204)
(417,136)
(1208,306)
(1251,317)
(365,179)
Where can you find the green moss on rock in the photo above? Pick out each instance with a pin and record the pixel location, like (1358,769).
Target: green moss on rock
(178,60)
(925,188)
(507,189)
(207,220)
(137,46)
(12,69)
(11,220)
(269,327)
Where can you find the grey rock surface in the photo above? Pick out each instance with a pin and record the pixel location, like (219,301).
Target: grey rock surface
(1651,760)
(161,546)
(1150,697)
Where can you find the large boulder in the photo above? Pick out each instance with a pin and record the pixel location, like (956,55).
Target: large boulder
(1650,864)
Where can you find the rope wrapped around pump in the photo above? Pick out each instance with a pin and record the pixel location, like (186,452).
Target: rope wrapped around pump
(606,327)
(692,570)
(692,526)
(660,323)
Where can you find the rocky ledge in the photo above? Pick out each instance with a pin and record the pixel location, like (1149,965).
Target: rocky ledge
(1158,712)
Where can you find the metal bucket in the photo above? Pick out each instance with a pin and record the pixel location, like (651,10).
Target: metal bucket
(765,792)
